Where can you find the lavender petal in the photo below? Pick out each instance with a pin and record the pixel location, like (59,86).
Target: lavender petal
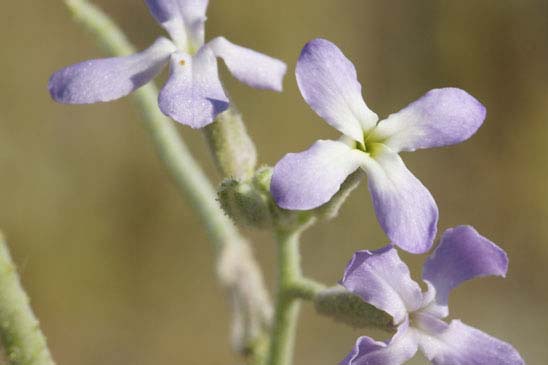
(193,94)
(405,209)
(462,254)
(248,66)
(308,179)
(439,118)
(109,78)
(381,279)
(328,83)
(459,344)
(397,351)
(183,19)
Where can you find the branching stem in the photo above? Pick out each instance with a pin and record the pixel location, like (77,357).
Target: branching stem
(292,287)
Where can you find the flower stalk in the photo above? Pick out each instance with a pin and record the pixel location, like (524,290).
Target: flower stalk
(287,306)
(22,340)
(292,288)
(190,180)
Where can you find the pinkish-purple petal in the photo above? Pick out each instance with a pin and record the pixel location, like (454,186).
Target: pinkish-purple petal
(308,179)
(109,78)
(397,351)
(381,279)
(461,255)
(182,19)
(405,209)
(459,344)
(329,84)
(193,94)
(248,66)
(439,118)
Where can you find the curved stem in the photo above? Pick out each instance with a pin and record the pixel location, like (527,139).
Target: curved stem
(20,333)
(237,267)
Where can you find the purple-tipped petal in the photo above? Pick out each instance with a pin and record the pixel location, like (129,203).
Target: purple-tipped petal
(380,278)
(329,84)
(397,351)
(459,344)
(182,19)
(308,179)
(462,254)
(439,118)
(248,66)
(193,94)
(109,78)
(405,209)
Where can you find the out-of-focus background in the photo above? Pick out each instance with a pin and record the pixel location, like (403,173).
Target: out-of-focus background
(118,266)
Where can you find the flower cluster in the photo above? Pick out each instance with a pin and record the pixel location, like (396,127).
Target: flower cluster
(194,95)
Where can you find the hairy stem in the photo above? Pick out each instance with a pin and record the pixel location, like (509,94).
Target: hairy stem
(287,303)
(235,270)
(20,333)
(306,289)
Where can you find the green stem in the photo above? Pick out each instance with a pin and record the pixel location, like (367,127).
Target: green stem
(235,270)
(282,341)
(306,289)
(20,333)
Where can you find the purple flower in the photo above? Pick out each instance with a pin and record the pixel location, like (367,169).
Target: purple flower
(383,280)
(193,94)
(404,207)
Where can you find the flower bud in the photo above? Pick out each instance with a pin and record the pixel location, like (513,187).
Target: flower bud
(343,306)
(244,203)
(233,150)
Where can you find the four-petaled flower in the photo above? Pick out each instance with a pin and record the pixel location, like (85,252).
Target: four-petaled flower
(193,94)
(404,207)
(383,280)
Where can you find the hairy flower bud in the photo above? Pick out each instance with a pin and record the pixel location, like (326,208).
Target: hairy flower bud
(244,203)
(232,148)
(343,306)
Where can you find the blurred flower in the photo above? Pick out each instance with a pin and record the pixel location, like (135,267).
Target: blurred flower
(193,94)
(382,279)
(404,207)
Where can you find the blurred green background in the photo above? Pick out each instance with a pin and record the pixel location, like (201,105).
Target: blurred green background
(118,266)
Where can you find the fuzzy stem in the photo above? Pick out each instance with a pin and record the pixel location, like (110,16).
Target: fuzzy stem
(20,333)
(287,304)
(306,289)
(189,177)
